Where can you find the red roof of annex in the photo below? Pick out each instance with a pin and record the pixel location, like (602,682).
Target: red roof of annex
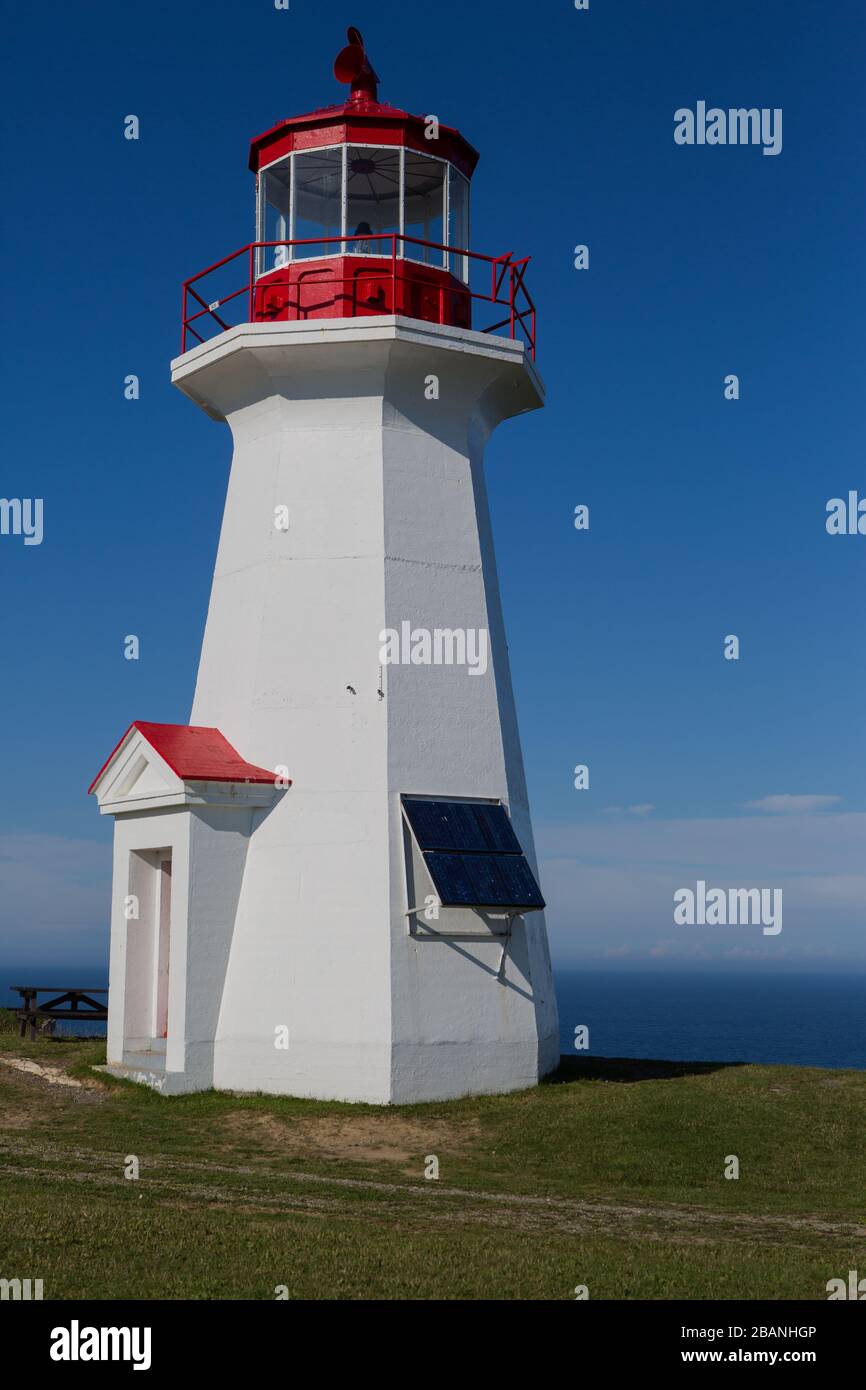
(194,753)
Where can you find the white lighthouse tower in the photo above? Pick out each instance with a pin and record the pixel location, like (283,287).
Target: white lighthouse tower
(325,885)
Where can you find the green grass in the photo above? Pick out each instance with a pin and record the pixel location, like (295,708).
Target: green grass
(611,1175)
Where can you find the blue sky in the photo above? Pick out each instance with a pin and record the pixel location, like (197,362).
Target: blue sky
(707,515)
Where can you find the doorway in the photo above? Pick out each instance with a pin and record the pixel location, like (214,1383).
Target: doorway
(148,941)
(163,944)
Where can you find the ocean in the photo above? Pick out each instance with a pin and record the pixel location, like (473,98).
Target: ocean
(717,1016)
(672,1015)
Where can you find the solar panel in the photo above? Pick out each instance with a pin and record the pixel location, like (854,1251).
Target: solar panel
(487,882)
(465,826)
(450,879)
(497,829)
(472,854)
(445,825)
(520,885)
(427,825)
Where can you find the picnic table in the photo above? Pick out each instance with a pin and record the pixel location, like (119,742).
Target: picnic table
(41,1015)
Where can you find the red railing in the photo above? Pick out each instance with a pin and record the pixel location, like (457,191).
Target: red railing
(447,298)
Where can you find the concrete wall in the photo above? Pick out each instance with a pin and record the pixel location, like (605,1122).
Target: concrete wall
(388,521)
(464,1019)
(218,845)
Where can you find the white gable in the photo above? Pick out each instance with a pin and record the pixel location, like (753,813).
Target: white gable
(137,777)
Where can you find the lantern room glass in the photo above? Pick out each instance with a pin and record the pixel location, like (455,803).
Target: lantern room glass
(458,223)
(357,193)
(317,202)
(424,186)
(372,198)
(275,216)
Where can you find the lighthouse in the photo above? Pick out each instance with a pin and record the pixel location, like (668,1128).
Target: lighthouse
(325,883)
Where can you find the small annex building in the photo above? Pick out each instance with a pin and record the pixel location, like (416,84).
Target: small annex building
(184,803)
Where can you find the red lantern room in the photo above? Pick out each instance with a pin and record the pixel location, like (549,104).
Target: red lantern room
(362,209)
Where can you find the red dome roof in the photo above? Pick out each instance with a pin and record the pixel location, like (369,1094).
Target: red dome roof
(361,122)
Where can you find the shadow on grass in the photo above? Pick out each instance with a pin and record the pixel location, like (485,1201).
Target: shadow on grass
(628,1069)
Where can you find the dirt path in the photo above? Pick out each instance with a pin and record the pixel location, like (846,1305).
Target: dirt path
(267,1191)
(55,1076)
